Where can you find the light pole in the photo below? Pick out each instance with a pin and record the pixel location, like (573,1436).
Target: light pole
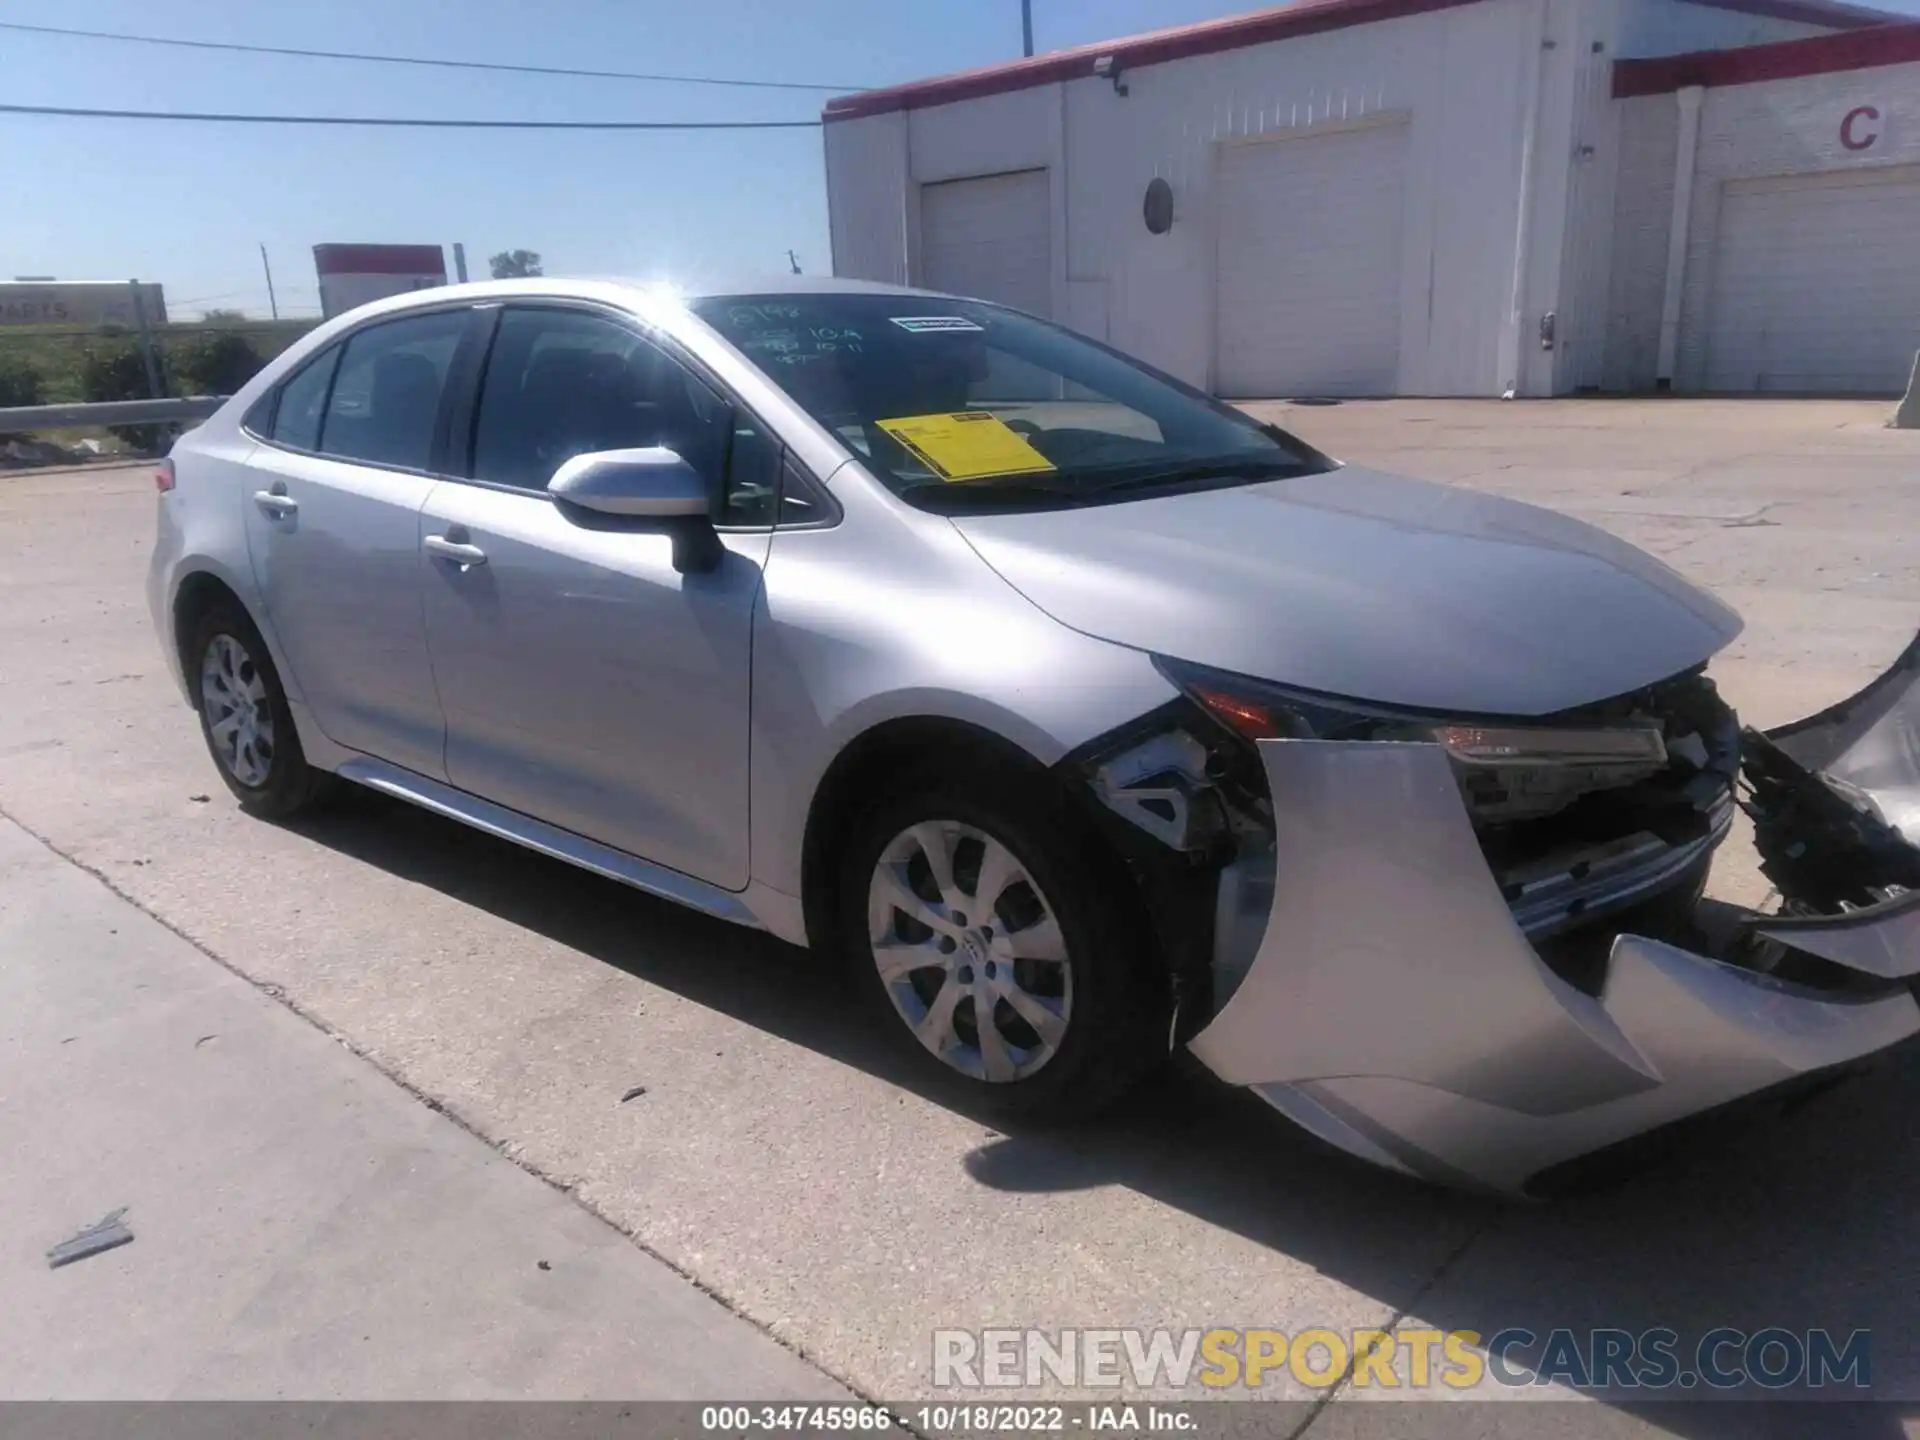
(1026,25)
(273,301)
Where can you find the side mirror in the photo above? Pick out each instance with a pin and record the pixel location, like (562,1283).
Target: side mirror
(653,484)
(641,485)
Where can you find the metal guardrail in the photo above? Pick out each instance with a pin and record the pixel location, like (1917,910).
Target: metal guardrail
(20,419)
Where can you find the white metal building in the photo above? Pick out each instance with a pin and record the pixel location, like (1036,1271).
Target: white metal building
(1425,197)
(1767,218)
(354,275)
(123,303)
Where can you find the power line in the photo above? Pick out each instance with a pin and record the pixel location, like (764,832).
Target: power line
(223,295)
(408,121)
(419,60)
(193,300)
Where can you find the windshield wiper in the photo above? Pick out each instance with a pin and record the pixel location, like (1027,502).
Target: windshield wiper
(1220,470)
(1011,487)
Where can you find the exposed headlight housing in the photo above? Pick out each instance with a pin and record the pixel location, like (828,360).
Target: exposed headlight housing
(1508,770)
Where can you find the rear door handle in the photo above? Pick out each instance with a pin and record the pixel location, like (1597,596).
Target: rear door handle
(442,548)
(276,503)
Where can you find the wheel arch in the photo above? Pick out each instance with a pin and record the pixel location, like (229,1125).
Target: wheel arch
(194,594)
(205,582)
(882,756)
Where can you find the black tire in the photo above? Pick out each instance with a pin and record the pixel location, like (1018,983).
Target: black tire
(288,784)
(1118,1024)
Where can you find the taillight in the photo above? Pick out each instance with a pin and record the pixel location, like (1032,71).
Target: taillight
(163,476)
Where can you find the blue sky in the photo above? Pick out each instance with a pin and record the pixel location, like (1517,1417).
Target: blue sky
(188,205)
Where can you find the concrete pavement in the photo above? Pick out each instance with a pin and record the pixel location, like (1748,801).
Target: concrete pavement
(778,1158)
(303,1227)
(1798,513)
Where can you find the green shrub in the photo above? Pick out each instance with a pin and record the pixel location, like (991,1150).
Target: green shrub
(217,362)
(112,369)
(20,383)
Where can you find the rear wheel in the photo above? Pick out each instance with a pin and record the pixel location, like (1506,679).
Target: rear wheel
(998,946)
(245,718)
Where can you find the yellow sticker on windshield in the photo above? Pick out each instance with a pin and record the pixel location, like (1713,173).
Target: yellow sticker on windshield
(967,445)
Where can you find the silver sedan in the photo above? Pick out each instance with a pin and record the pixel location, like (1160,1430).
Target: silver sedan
(1087,717)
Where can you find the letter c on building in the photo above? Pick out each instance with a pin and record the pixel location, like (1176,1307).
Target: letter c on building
(1847,136)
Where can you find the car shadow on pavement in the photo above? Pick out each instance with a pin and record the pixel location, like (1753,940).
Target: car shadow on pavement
(1187,1139)
(1800,1221)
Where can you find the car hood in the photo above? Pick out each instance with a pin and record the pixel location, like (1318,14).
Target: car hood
(1366,585)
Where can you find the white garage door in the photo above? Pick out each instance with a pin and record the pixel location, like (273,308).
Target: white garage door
(989,237)
(1816,283)
(1308,295)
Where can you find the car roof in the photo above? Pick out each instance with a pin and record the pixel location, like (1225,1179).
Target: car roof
(803,285)
(657,297)
(603,286)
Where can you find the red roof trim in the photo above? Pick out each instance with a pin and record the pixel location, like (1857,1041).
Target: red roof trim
(1815,55)
(1237,32)
(379,260)
(1831,13)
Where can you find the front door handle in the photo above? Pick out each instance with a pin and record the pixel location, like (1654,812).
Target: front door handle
(457,551)
(276,502)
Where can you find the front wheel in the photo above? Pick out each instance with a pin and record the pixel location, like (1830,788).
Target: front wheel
(245,719)
(1000,946)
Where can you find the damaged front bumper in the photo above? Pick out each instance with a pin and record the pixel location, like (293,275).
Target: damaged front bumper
(1396,1003)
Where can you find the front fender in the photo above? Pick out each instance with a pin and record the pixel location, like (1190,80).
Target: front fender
(879,619)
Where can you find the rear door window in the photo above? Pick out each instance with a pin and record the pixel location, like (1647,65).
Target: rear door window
(386,398)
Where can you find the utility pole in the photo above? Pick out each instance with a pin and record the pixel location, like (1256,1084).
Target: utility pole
(794,261)
(1026,25)
(273,301)
(149,357)
(460,261)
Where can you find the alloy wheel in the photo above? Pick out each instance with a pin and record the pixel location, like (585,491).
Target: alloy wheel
(970,951)
(239,714)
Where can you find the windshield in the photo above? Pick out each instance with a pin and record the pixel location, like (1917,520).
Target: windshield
(958,404)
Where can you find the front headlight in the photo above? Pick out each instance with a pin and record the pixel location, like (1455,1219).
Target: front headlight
(1508,770)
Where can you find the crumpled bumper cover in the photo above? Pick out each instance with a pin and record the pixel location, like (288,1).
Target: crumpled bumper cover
(1395,1009)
